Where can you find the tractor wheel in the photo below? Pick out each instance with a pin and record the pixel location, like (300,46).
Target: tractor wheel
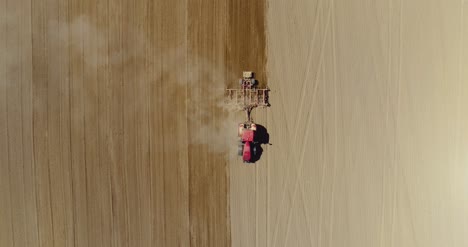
(240,149)
(253,82)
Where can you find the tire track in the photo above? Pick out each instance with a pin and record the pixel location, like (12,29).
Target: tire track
(397,124)
(299,170)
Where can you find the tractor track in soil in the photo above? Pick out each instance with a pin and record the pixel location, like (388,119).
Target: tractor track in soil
(102,109)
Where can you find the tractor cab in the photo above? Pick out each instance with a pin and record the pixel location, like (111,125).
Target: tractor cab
(247,145)
(247,81)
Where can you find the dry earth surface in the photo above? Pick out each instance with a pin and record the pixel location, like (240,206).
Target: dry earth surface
(368,125)
(112,130)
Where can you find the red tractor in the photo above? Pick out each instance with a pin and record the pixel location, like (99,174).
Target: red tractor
(247,97)
(247,145)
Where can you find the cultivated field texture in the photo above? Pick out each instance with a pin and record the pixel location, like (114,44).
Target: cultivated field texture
(113,130)
(368,125)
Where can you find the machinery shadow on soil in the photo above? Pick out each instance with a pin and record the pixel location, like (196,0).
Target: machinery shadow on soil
(261,137)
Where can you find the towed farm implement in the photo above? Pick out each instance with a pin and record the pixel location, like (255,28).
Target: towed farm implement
(246,98)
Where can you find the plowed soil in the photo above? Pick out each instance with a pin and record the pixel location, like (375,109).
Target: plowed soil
(113,130)
(109,119)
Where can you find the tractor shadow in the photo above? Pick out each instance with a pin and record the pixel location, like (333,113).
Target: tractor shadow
(261,137)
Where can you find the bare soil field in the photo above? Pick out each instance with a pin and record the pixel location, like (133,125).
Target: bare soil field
(368,125)
(110,119)
(113,131)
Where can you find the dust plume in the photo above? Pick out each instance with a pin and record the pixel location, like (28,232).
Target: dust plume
(212,123)
(200,81)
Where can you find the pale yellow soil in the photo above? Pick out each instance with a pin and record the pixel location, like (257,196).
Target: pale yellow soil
(112,131)
(368,125)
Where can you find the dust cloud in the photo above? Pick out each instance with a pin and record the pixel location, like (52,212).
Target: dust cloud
(72,35)
(204,101)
